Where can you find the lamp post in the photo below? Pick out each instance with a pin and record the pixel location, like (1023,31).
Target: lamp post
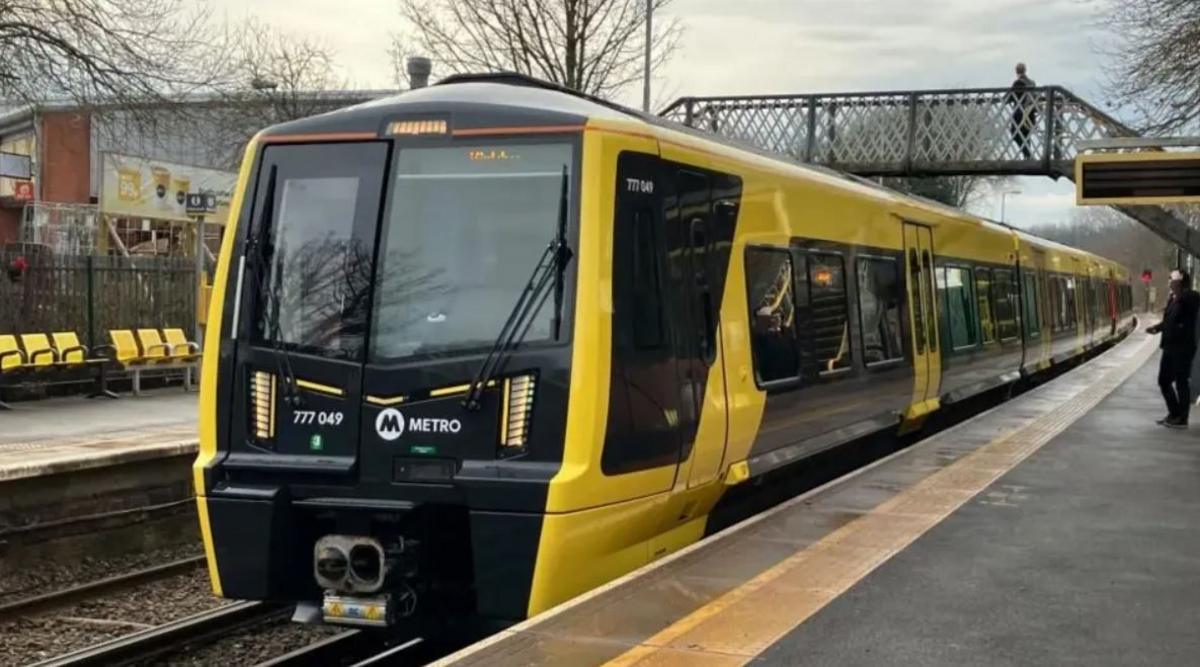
(646,62)
(1003,195)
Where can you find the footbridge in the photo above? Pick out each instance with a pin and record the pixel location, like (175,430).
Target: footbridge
(978,131)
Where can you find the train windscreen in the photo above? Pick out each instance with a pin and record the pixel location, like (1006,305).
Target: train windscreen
(462,233)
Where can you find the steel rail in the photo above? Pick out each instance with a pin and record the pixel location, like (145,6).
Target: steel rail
(91,589)
(147,644)
(328,651)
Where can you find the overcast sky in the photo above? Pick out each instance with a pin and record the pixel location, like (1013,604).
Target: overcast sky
(802,46)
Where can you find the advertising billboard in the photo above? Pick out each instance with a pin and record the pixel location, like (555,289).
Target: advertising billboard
(137,187)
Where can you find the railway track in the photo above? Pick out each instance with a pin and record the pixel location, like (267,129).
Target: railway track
(358,648)
(355,648)
(350,647)
(91,589)
(147,644)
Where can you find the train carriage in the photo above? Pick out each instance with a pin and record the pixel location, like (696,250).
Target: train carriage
(484,346)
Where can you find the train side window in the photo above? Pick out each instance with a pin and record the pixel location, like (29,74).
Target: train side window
(1070,294)
(647,282)
(1064,315)
(1033,320)
(927,268)
(772,308)
(830,319)
(1006,312)
(1068,316)
(983,292)
(915,301)
(879,309)
(1056,308)
(1089,302)
(955,285)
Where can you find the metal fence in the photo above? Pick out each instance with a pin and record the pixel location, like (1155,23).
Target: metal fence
(923,132)
(93,294)
(983,131)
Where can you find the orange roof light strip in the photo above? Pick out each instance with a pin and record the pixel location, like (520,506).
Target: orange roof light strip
(418,127)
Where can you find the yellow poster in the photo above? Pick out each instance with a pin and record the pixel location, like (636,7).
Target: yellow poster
(137,187)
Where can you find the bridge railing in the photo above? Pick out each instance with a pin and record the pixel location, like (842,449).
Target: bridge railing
(932,132)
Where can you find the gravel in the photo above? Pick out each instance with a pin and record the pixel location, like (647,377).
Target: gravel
(250,646)
(24,641)
(27,640)
(28,582)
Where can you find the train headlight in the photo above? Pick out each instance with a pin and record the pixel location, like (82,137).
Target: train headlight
(518,409)
(262,404)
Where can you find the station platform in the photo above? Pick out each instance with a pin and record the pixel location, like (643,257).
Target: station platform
(1061,527)
(70,434)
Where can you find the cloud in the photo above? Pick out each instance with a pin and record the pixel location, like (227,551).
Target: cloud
(835,45)
(780,46)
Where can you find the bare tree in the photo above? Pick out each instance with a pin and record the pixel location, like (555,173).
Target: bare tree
(594,46)
(275,77)
(111,51)
(289,76)
(1111,234)
(1154,67)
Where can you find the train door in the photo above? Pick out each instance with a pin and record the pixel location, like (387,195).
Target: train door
(922,308)
(667,406)
(1110,294)
(1079,302)
(644,412)
(696,229)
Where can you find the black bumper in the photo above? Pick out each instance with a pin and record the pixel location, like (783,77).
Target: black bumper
(263,544)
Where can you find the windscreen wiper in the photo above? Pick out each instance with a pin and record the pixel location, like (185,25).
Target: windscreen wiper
(550,266)
(562,254)
(283,362)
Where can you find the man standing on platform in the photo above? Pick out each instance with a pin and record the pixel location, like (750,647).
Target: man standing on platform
(1178,329)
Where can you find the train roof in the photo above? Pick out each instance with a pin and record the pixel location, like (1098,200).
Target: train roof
(511,99)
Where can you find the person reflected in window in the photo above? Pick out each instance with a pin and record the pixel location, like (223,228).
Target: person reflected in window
(1024,115)
(774,329)
(1178,330)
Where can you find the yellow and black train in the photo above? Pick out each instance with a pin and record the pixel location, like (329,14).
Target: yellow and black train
(483,346)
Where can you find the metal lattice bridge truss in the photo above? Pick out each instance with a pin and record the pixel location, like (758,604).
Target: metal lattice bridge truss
(985,131)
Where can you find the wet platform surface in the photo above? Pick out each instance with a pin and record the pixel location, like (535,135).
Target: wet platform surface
(64,434)
(1062,527)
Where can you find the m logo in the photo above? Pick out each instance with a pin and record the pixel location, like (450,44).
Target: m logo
(389,424)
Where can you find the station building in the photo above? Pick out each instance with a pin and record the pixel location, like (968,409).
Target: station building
(111,179)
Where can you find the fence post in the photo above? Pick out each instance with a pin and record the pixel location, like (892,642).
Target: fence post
(91,303)
(810,146)
(910,144)
(199,282)
(1050,113)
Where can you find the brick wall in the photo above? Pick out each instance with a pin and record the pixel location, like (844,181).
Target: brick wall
(66,157)
(10,225)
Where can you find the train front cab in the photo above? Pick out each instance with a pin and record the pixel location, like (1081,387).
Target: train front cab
(339,462)
(348,471)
